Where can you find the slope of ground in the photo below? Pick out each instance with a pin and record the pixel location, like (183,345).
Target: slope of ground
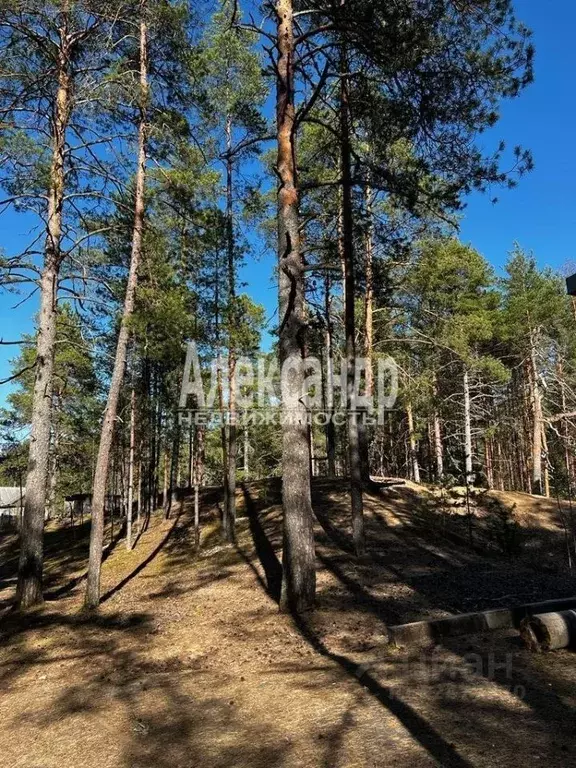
(189,662)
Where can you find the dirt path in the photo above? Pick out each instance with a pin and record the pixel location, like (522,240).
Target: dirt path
(190,664)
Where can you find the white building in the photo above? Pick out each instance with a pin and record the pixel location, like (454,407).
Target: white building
(11,505)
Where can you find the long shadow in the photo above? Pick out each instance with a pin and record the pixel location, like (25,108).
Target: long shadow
(264,549)
(71,584)
(342,540)
(428,737)
(548,688)
(436,746)
(139,568)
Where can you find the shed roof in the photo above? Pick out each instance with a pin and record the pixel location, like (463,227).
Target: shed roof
(10,497)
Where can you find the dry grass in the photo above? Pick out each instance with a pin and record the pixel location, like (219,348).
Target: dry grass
(189,662)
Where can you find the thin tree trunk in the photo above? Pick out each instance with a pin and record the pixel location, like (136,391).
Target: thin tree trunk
(299,572)
(329,391)
(199,460)
(437,430)
(546,460)
(191,456)
(130,505)
(467,430)
(140,491)
(565,430)
(489,463)
(246,453)
(354,458)
(368,330)
(165,484)
(500,479)
(536,398)
(230,477)
(30,566)
(412,443)
(53,470)
(102,464)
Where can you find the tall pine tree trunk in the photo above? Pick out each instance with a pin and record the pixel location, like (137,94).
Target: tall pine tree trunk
(368,331)
(30,566)
(299,572)
(232,452)
(102,463)
(330,430)
(354,458)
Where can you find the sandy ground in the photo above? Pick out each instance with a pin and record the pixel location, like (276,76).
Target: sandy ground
(189,662)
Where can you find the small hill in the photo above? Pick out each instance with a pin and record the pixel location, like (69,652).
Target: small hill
(189,662)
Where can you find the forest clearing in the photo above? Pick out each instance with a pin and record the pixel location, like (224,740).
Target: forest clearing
(189,662)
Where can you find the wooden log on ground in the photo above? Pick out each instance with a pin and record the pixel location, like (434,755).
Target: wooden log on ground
(549,631)
(434,630)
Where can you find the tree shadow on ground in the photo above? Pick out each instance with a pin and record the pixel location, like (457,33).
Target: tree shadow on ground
(544,716)
(98,669)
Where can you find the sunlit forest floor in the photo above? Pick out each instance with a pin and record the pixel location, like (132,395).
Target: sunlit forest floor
(190,664)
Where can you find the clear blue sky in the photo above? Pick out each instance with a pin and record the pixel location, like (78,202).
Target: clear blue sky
(540,213)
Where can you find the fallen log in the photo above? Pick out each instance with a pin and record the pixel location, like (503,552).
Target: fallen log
(549,631)
(434,630)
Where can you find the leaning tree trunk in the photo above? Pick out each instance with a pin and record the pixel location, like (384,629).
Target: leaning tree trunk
(30,566)
(102,463)
(299,573)
(354,458)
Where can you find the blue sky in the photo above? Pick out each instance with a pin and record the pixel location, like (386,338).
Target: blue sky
(540,213)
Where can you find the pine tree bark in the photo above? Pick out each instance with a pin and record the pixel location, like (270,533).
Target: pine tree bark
(368,331)
(53,465)
(330,430)
(412,443)
(354,458)
(199,456)
(546,470)
(565,430)
(191,442)
(232,452)
(92,597)
(489,463)
(130,505)
(299,572)
(536,398)
(246,453)
(30,565)
(437,430)
(469,479)
(165,481)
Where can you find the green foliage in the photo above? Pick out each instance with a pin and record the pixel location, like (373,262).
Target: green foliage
(76,408)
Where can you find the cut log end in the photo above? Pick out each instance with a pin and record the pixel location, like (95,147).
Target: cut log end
(546,632)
